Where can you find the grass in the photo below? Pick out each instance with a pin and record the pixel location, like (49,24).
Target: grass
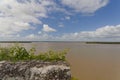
(19,53)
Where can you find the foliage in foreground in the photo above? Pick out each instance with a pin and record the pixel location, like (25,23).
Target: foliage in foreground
(73,78)
(19,53)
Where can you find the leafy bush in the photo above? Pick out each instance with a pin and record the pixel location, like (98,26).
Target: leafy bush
(52,55)
(4,53)
(18,53)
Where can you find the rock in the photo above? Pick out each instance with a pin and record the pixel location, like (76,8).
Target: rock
(34,70)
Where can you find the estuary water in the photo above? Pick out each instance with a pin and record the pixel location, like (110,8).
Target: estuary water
(88,61)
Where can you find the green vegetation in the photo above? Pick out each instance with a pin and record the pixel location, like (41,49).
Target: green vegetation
(19,53)
(73,78)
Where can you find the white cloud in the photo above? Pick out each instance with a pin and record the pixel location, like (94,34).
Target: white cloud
(60,25)
(85,6)
(40,37)
(31,36)
(67,17)
(106,33)
(16,15)
(47,28)
(103,33)
(39,32)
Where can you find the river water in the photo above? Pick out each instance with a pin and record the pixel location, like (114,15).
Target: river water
(88,61)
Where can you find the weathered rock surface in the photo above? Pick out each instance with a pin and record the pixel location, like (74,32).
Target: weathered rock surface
(34,70)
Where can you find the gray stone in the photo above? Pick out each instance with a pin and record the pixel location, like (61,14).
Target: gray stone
(34,70)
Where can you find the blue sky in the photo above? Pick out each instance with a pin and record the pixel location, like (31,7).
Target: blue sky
(60,20)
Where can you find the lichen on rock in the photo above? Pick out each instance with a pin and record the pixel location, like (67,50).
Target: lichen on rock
(35,70)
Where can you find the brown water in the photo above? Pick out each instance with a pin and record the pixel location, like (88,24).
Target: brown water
(88,61)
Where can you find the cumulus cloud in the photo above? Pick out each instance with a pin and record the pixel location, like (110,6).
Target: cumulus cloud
(60,25)
(67,17)
(17,15)
(31,36)
(21,15)
(106,33)
(47,28)
(39,37)
(39,32)
(103,33)
(85,6)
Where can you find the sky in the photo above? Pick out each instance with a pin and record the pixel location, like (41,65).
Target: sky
(59,20)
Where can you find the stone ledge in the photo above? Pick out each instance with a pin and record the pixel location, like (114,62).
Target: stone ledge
(35,70)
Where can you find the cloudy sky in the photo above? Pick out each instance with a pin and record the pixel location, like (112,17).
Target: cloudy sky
(60,20)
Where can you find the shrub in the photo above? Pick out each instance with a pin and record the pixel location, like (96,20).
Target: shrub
(4,53)
(18,53)
(51,56)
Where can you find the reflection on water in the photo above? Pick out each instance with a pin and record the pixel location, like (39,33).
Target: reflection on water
(88,61)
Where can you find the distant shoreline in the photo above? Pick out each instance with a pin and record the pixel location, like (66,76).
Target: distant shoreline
(15,41)
(61,41)
(102,42)
(38,41)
